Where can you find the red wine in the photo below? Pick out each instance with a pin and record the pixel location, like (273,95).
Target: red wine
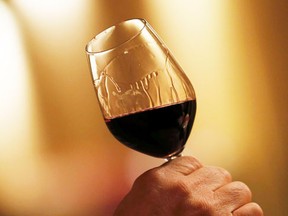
(160,132)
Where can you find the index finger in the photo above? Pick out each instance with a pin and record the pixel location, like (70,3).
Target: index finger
(184,165)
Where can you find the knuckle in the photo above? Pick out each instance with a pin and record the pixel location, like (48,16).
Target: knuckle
(233,194)
(256,210)
(242,188)
(249,209)
(189,159)
(223,173)
(184,165)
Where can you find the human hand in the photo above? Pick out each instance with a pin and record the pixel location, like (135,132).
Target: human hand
(183,187)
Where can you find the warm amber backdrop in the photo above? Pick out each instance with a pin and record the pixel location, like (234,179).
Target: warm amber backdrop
(56,155)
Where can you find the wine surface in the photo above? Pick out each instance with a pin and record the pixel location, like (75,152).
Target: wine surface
(160,132)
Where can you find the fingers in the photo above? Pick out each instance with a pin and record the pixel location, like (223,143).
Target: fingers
(197,175)
(210,178)
(188,186)
(250,209)
(184,165)
(233,195)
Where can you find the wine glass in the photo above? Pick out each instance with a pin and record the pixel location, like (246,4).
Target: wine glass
(147,101)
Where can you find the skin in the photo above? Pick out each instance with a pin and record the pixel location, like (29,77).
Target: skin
(183,187)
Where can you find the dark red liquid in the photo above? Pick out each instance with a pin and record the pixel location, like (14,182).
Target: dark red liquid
(159,132)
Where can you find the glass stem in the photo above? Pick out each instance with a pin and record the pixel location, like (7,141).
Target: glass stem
(173,157)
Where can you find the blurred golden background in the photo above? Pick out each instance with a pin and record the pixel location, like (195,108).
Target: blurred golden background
(56,156)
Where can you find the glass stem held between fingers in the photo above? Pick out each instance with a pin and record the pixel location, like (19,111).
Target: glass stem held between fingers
(173,157)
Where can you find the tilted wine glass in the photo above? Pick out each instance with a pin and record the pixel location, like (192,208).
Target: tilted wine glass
(147,101)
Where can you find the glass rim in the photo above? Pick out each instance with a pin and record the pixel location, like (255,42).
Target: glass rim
(145,23)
